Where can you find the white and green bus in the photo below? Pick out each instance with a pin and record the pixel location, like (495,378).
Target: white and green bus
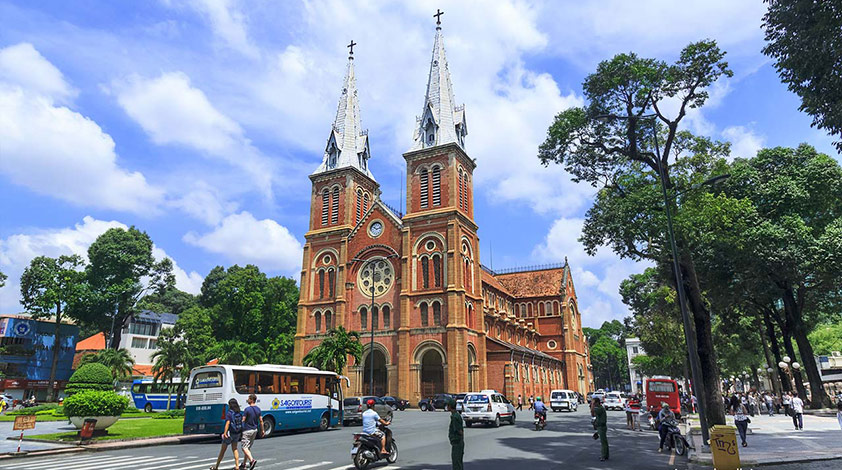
(289,397)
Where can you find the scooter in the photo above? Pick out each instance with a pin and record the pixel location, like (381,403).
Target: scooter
(366,449)
(540,421)
(674,438)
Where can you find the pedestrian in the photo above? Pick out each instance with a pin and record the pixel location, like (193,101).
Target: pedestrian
(738,411)
(694,402)
(252,424)
(629,420)
(634,407)
(601,424)
(530,401)
(456,435)
(797,412)
(519,402)
(752,404)
(231,433)
(787,402)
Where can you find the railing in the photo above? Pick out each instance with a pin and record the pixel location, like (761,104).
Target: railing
(397,212)
(522,269)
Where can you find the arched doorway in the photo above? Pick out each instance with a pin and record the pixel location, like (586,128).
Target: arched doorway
(472,368)
(432,373)
(378,361)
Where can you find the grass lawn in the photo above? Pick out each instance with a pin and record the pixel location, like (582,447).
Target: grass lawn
(132,413)
(127,429)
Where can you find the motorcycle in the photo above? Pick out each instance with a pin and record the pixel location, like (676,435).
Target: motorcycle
(540,421)
(366,449)
(674,438)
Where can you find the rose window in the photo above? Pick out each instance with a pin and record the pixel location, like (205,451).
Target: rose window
(377,273)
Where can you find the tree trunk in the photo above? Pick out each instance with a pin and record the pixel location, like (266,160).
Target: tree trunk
(776,352)
(169,394)
(799,382)
(769,359)
(793,310)
(51,387)
(708,390)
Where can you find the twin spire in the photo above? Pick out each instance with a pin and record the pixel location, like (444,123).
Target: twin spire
(441,122)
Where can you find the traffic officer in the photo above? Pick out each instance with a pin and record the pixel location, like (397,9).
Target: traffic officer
(601,424)
(456,434)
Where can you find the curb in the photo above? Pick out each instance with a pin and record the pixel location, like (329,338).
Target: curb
(115,444)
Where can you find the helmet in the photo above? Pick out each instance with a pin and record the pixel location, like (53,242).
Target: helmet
(538,399)
(664,404)
(370,402)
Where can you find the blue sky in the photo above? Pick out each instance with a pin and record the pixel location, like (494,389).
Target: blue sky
(198,121)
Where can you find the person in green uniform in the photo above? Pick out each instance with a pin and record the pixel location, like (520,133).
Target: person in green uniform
(456,434)
(601,424)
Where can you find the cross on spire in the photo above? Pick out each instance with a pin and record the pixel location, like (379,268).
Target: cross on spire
(437,16)
(351,46)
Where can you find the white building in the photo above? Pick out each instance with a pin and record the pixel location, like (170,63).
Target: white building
(140,337)
(634,349)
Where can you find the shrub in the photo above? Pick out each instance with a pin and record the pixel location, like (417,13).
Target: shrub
(169,414)
(93,376)
(95,403)
(33,410)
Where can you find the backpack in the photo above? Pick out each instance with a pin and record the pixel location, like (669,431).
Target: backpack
(236,426)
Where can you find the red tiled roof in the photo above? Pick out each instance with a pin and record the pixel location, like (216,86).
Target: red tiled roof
(492,281)
(92,343)
(142,369)
(544,283)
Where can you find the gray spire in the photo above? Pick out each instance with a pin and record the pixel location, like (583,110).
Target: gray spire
(441,122)
(347,145)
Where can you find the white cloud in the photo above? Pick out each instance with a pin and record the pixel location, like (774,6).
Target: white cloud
(227,21)
(56,151)
(18,250)
(244,239)
(172,111)
(744,141)
(204,203)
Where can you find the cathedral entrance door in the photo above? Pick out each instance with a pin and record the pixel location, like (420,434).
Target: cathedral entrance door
(432,374)
(380,373)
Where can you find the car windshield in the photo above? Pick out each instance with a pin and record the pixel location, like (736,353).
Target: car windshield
(559,395)
(351,401)
(477,399)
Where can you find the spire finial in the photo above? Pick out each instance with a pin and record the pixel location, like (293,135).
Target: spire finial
(437,16)
(351,46)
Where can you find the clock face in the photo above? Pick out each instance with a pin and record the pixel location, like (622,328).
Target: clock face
(375,229)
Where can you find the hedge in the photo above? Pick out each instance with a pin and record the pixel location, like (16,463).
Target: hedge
(93,376)
(95,403)
(169,414)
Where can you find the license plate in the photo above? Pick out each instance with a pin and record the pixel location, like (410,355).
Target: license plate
(201,427)
(354,450)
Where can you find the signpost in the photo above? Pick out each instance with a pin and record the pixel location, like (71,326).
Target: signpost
(22,423)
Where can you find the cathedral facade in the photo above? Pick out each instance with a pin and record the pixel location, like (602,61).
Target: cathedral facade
(439,319)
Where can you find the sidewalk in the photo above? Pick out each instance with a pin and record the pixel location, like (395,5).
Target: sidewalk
(9,438)
(774,440)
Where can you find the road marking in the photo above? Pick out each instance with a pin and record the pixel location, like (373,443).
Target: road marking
(46,463)
(180,462)
(672,458)
(312,465)
(99,460)
(159,460)
(278,464)
(121,461)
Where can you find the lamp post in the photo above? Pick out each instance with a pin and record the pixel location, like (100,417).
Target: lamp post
(784,364)
(371,314)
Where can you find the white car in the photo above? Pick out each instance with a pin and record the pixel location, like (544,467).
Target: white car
(614,401)
(489,407)
(564,400)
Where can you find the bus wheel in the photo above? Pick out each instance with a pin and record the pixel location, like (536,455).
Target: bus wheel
(324,423)
(148,408)
(268,426)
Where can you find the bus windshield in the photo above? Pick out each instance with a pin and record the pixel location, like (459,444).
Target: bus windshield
(665,387)
(209,379)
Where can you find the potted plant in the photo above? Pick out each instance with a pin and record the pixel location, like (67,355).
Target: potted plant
(104,406)
(92,376)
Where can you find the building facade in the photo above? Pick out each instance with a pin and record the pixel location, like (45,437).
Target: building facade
(441,321)
(634,349)
(26,355)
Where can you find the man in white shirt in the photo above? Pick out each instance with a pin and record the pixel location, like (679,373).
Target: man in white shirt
(797,412)
(370,420)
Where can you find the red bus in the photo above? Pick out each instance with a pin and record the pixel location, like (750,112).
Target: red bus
(663,390)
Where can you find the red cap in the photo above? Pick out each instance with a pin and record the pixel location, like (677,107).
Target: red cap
(370,402)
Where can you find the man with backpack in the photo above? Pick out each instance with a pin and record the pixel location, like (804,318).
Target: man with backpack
(252,424)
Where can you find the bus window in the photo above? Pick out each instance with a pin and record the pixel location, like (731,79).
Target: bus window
(210,379)
(333,386)
(136,388)
(265,383)
(665,387)
(243,381)
(283,382)
(296,384)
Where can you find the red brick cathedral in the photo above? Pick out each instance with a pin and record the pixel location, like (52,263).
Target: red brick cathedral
(442,321)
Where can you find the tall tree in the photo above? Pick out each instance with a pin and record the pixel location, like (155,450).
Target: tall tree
(625,132)
(47,286)
(169,360)
(3,278)
(171,301)
(120,272)
(803,40)
(333,352)
(608,354)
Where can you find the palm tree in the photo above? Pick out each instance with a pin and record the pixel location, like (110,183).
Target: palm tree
(332,354)
(119,361)
(170,357)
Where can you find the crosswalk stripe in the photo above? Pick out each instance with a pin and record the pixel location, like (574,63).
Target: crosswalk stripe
(177,463)
(47,462)
(277,464)
(120,461)
(312,465)
(164,459)
(74,462)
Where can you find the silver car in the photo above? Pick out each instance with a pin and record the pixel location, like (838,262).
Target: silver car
(354,406)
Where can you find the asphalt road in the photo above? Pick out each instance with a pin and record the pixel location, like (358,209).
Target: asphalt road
(422,441)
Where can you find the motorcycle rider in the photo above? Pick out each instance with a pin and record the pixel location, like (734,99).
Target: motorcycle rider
(664,416)
(540,408)
(370,420)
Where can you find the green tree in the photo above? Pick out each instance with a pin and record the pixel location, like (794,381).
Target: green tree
(120,272)
(196,328)
(169,359)
(614,144)
(332,353)
(119,361)
(827,338)
(803,40)
(238,353)
(171,301)
(608,354)
(3,278)
(48,286)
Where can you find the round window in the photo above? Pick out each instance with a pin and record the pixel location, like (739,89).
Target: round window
(375,229)
(376,274)
(552,344)
(431,246)
(326,259)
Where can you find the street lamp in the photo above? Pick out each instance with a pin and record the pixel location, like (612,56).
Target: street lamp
(371,315)
(785,366)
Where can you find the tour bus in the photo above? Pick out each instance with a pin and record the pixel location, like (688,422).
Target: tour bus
(150,396)
(660,390)
(289,397)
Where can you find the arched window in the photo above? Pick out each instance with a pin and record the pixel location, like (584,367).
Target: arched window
(522,311)
(334,211)
(424,317)
(555,307)
(387,321)
(437,314)
(541,309)
(322,284)
(529,310)
(328,321)
(467,193)
(425,272)
(425,181)
(461,189)
(318,321)
(363,318)
(325,205)
(436,186)
(437,270)
(359,205)
(467,274)
(331,282)
(375,313)
(470,316)
(365,202)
